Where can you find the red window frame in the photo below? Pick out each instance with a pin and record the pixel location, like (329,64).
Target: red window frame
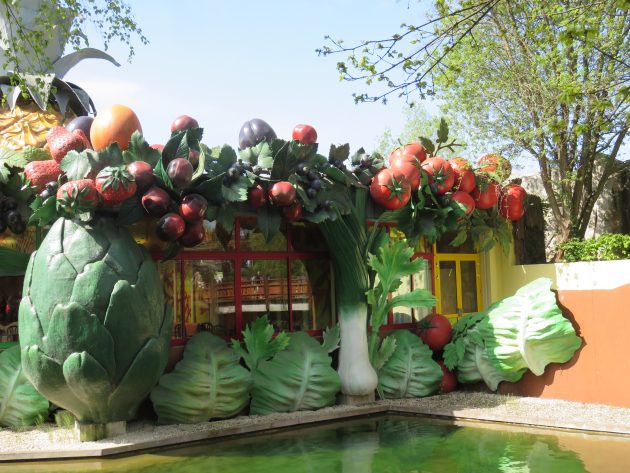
(236,256)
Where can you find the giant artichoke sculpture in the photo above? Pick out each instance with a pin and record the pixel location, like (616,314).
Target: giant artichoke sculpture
(94,329)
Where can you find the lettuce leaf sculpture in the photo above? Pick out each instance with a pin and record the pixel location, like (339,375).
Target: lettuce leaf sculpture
(208,383)
(94,329)
(298,378)
(20,403)
(521,332)
(410,371)
(292,377)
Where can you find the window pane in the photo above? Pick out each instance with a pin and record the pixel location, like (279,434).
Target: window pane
(170,275)
(448,287)
(422,280)
(443,244)
(311,294)
(216,238)
(265,290)
(307,236)
(210,296)
(403,315)
(252,240)
(469,286)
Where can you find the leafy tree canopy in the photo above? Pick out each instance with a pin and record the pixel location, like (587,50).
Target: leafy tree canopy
(550,79)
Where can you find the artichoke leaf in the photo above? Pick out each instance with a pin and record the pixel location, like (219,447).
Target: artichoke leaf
(410,371)
(88,381)
(20,403)
(29,325)
(72,329)
(298,378)
(139,379)
(208,383)
(47,377)
(93,288)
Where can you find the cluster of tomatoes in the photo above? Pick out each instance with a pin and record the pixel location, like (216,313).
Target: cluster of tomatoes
(451,180)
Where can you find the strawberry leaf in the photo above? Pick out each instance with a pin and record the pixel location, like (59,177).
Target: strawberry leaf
(140,150)
(10,159)
(76,165)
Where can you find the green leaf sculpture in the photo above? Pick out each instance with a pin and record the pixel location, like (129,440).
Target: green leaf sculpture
(260,343)
(298,378)
(521,332)
(410,370)
(208,383)
(94,329)
(20,403)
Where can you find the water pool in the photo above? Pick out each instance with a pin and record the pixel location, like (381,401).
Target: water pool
(400,444)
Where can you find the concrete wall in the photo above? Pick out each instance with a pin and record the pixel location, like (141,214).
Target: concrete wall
(595,296)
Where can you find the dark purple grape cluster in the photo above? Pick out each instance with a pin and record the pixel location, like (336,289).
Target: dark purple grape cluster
(10,217)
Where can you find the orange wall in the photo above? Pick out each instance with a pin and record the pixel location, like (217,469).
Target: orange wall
(598,372)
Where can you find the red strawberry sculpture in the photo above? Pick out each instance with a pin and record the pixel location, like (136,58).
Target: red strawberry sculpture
(40,173)
(61,141)
(115,184)
(77,197)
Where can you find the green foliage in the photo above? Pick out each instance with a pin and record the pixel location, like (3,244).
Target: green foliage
(613,246)
(94,329)
(260,344)
(410,371)
(208,383)
(9,160)
(391,265)
(298,378)
(20,403)
(12,263)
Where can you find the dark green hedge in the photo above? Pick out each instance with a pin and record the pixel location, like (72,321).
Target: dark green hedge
(612,246)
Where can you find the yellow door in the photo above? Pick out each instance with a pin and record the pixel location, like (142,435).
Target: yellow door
(457,284)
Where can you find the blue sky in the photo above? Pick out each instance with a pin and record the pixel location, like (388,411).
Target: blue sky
(227,62)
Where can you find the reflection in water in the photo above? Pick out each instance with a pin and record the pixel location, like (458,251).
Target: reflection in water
(383,445)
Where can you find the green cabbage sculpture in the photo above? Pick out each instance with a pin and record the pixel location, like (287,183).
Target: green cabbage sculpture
(521,332)
(298,378)
(20,403)
(208,383)
(94,329)
(410,371)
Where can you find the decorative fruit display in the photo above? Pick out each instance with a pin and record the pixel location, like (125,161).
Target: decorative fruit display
(183,122)
(115,185)
(408,166)
(180,172)
(488,197)
(389,191)
(449,379)
(495,165)
(61,141)
(256,197)
(515,190)
(253,132)
(464,175)
(292,212)
(170,227)
(415,149)
(282,193)
(511,206)
(441,176)
(156,201)
(114,124)
(305,134)
(10,217)
(464,201)
(435,331)
(142,173)
(193,234)
(76,197)
(193,208)
(40,173)
(83,123)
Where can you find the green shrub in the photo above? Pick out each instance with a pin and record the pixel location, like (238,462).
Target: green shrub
(612,246)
